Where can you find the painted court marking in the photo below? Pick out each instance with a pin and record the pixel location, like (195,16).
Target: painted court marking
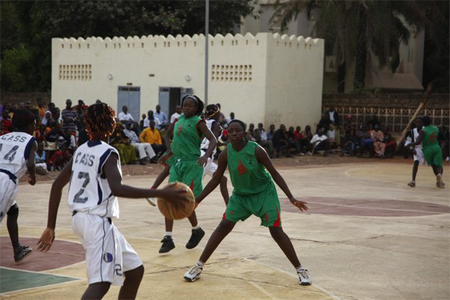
(366,207)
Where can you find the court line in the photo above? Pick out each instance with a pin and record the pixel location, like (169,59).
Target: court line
(261,289)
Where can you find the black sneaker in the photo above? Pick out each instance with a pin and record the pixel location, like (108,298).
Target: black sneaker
(196,237)
(167,244)
(22,253)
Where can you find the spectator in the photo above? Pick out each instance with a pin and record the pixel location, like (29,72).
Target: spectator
(320,142)
(176,114)
(302,140)
(324,123)
(292,142)
(69,117)
(122,143)
(141,122)
(222,120)
(161,116)
(331,135)
(145,150)
(271,132)
(40,160)
(124,116)
(251,135)
(81,126)
(351,143)
(378,142)
(5,123)
(152,136)
(261,139)
(336,122)
(390,143)
(280,141)
(151,117)
(41,109)
(231,118)
(365,136)
(47,118)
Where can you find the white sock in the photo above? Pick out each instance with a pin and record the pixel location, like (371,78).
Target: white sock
(200,264)
(168,233)
(299,268)
(196,227)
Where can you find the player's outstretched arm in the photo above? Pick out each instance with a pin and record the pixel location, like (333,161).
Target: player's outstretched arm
(261,156)
(121,190)
(215,180)
(46,240)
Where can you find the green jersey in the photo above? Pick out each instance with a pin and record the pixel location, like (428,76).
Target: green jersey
(248,176)
(430,137)
(186,140)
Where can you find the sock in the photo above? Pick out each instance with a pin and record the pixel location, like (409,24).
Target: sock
(200,264)
(196,227)
(168,233)
(299,268)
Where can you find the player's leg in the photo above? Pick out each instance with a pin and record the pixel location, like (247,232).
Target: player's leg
(167,241)
(131,284)
(197,232)
(224,228)
(20,252)
(96,290)
(415,168)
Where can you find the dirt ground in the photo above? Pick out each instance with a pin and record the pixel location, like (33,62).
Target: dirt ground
(292,162)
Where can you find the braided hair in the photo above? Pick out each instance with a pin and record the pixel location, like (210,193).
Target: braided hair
(211,110)
(100,121)
(23,118)
(199,103)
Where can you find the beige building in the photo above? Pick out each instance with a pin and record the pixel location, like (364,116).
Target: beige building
(261,78)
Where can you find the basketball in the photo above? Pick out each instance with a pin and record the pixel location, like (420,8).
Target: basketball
(183,209)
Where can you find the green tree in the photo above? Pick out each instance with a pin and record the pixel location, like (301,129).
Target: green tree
(357,29)
(45,20)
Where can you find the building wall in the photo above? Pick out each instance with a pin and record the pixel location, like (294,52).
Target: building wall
(257,77)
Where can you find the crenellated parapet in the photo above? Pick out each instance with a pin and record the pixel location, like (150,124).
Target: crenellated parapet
(159,41)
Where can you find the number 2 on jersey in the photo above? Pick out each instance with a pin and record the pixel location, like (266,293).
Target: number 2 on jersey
(77,198)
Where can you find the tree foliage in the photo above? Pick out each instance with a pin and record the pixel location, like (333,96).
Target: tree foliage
(34,23)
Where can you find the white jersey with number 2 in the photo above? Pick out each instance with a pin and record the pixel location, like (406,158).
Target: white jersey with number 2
(89,190)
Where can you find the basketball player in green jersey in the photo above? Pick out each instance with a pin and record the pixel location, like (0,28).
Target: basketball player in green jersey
(431,149)
(254,193)
(186,162)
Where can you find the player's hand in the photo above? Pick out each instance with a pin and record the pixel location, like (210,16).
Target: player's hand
(32,180)
(202,160)
(45,242)
(175,196)
(300,204)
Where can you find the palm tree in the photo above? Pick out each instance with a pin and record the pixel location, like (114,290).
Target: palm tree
(357,29)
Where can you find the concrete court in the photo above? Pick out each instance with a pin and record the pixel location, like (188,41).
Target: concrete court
(367,236)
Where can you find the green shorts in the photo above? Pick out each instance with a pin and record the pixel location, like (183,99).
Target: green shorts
(433,155)
(264,205)
(187,172)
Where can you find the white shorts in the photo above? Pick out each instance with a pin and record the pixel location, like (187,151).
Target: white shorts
(419,156)
(108,254)
(210,168)
(7,195)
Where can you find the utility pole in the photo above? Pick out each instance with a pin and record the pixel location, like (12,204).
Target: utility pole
(206,49)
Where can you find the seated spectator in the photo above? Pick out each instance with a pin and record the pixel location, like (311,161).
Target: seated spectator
(351,143)
(141,122)
(152,136)
(59,158)
(320,142)
(378,141)
(364,134)
(391,145)
(145,149)
(5,123)
(261,139)
(302,140)
(151,117)
(251,135)
(122,143)
(292,142)
(324,123)
(47,117)
(124,116)
(280,141)
(40,160)
(271,132)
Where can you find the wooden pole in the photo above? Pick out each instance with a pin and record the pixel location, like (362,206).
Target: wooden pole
(416,113)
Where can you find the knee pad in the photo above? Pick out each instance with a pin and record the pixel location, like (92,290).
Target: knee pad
(13,211)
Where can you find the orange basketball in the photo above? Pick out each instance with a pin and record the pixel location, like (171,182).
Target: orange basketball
(183,209)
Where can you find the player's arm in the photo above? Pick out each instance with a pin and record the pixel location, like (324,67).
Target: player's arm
(169,131)
(212,142)
(31,164)
(418,140)
(262,157)
(47,237)
(114,178)
(215,180)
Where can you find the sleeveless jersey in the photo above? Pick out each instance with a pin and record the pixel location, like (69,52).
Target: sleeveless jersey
(14,151)
(88,191)
(205,142)
(430,137)
(248,176)
(415,133)
(186,140)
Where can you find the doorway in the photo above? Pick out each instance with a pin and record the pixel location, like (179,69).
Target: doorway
(130,96)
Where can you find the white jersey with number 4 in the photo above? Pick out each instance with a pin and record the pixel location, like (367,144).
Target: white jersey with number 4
(89,191)
(14,151)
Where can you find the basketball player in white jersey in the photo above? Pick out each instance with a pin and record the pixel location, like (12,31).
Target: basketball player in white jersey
(95,182)
(417,151)
(17,152)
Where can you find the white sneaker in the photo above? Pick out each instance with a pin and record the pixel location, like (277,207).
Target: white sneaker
(309,153)
(439,183)
(151,201)
(194,273)
(303,277)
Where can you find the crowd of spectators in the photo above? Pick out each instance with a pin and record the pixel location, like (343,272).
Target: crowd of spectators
(59,133)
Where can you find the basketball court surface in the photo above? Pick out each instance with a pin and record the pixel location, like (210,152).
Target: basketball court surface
(367,235)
